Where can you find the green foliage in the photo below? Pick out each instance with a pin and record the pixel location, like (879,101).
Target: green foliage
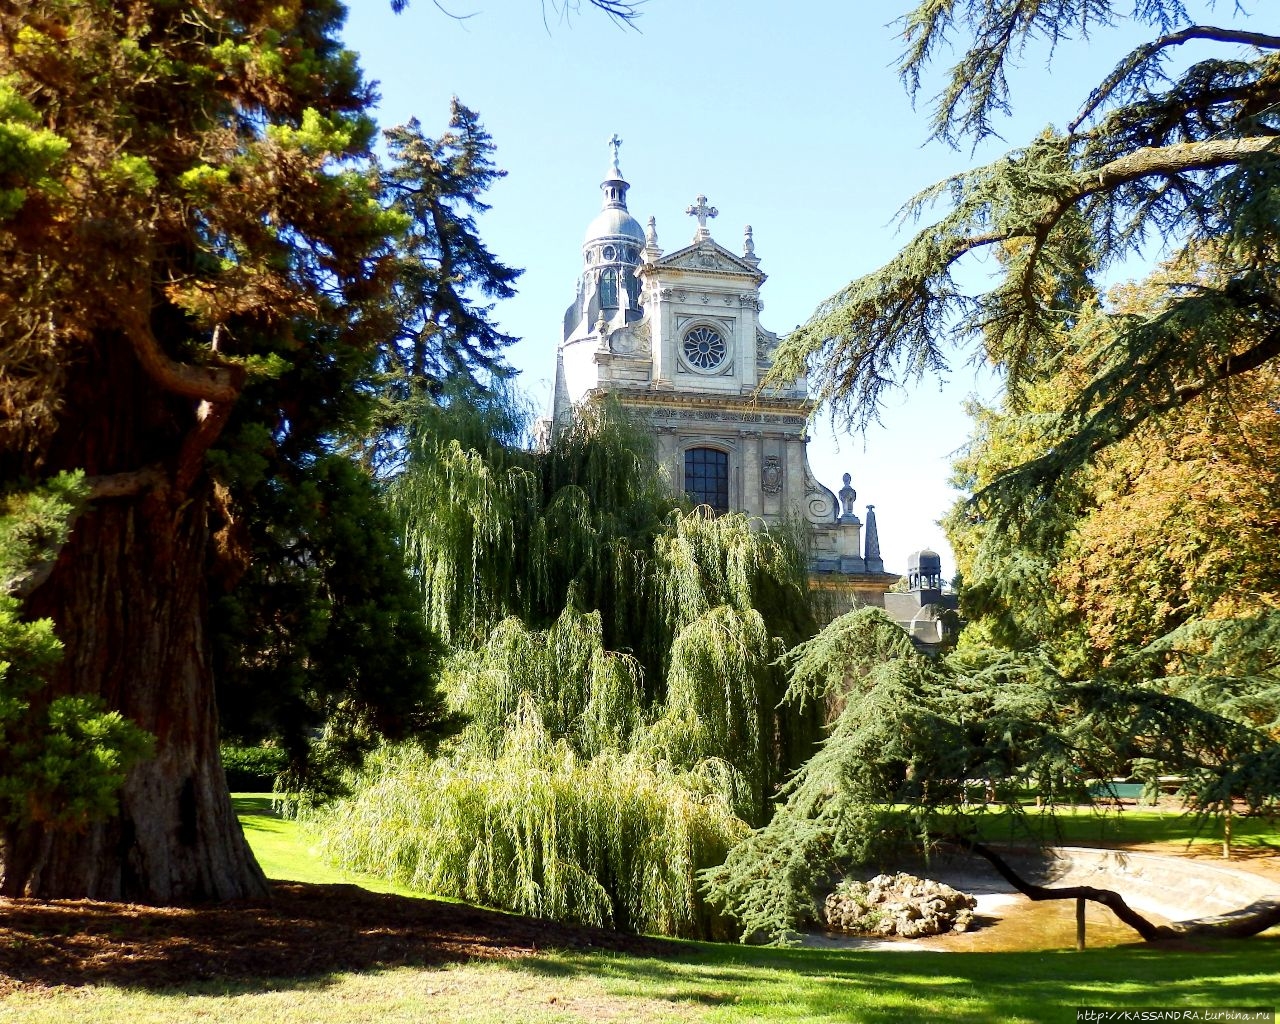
(27,151)
(615,657)
(252,769)
(321,646)
(702,605)
(912,735)
(62,757)
(614,840)
(580,691)
(443,343)
(495,530)
(1150,572)
(1191,159)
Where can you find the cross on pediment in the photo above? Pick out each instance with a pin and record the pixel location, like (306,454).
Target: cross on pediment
(702,211)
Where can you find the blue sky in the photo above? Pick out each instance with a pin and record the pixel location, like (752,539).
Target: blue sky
(788,116)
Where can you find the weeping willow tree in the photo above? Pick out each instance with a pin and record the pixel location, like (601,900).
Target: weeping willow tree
(615,840)
(615,654)
(703,605)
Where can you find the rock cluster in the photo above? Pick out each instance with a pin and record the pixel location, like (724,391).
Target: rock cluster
(898,904)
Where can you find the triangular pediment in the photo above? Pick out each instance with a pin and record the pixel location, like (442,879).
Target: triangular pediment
(709,257)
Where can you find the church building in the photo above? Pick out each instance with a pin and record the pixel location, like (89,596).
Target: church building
(676,339)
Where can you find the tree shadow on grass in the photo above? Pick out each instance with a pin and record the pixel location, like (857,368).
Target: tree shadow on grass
(305,932)
(883,987)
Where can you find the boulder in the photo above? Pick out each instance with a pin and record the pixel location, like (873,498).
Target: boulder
(898,904)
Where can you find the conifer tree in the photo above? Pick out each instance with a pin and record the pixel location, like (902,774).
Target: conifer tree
(443,338)
(1189,157)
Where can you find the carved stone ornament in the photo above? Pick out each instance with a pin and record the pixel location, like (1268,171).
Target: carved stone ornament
(709,260)
(820,503)
(771,475)
(765,346)
(643,338)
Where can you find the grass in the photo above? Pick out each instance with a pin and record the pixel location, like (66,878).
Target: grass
(711,984)
(287,853)
(1131,826)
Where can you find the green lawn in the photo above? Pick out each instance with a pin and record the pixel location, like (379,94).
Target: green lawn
(286,852)
(1130,825)
(713,984)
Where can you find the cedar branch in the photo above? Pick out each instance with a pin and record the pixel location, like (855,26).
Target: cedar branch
(1144,53)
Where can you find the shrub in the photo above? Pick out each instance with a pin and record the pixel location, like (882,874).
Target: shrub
(252,769)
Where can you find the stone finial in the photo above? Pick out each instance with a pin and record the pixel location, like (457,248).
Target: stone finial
(602,324)
(651,246)
(748,243)
(702,211)
(847,497)
(872,543)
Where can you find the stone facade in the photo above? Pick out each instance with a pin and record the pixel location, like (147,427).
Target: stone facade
(676,338)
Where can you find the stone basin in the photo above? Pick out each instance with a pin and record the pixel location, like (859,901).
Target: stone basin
(1165,889)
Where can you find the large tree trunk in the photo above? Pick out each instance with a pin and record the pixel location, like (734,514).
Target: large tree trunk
(129,600)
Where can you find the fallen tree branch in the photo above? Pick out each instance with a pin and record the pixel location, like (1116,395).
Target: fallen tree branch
(1254,919)
(1109,898)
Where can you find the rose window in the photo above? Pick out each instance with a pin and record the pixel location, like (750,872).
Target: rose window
(704,348)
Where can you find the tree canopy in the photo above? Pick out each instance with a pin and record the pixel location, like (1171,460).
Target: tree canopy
(1115,551)
(1188,157)
(201,277)
(614,654)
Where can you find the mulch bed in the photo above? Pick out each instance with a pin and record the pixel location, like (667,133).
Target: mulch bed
(304,930)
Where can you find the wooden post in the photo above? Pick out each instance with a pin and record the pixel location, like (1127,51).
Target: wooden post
(1226,835)
(1080,922)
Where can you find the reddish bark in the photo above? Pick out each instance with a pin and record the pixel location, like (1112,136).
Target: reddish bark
(129,598)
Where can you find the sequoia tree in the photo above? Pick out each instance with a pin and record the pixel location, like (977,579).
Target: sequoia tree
(185,208)
(176,208)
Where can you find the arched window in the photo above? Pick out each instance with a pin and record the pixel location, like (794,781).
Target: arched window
(633,290)
(706,477)
(609,288)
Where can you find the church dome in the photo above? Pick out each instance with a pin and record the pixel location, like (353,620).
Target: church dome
(614,222)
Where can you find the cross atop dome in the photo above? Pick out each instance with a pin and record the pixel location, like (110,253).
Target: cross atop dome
(702,211)
(614,143)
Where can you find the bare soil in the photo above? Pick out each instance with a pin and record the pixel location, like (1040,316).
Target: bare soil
(305,930)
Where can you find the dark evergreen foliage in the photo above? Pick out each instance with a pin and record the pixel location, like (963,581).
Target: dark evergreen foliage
(1189,160)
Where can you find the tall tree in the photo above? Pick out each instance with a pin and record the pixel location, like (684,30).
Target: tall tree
(444,337)
(184,211)
(180,216)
